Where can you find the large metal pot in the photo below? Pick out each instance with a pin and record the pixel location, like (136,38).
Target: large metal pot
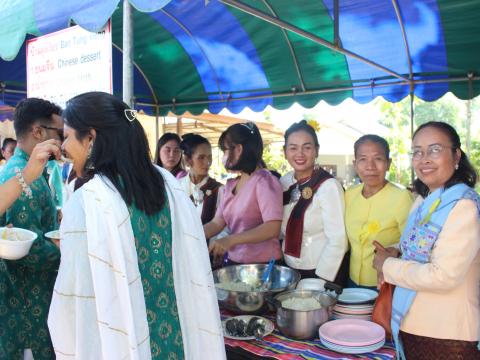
(303,324)
(252,302)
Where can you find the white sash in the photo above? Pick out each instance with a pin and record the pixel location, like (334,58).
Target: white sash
(98,307)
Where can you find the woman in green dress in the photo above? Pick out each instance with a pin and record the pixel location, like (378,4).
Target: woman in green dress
(134,280)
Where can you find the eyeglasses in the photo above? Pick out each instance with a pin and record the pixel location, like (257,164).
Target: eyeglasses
(59,131)
(433,152)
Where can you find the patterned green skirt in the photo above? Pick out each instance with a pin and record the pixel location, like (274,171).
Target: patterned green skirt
(153,240)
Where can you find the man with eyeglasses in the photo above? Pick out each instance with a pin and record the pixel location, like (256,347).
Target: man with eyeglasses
(26,284)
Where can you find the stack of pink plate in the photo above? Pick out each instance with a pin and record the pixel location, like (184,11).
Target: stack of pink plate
(352,336)
(355,303)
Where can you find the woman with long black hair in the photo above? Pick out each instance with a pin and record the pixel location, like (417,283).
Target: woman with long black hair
(135,279)
(169,155)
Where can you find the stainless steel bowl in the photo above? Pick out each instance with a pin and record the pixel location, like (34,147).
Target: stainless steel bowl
(300,324)
(252,302)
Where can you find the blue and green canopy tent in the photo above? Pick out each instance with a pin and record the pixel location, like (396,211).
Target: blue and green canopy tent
(196,55)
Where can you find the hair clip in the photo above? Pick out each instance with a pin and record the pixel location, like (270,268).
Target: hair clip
(131,114)
(249,125)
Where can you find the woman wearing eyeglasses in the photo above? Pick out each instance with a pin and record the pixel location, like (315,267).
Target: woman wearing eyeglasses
(435,310)
(370,214)
(251,206)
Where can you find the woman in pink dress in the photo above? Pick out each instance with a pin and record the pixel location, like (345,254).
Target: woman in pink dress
(252,203)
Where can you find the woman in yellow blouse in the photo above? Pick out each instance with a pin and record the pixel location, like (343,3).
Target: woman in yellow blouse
(374,210)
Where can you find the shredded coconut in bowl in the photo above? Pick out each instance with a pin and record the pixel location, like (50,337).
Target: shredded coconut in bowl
(235,286)
(15,234)
(8,234)
(301,304)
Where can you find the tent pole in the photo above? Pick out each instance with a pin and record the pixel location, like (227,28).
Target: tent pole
(410,76)
(157,110)
(290,47)
(404,36)
(336,24)
(139,70)
(10,91)
(307,92)
(412,124)
(127,53)
(179,126)
(412,120)
(468,124)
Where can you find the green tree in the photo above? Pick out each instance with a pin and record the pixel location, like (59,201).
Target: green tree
(275,159)
(475,157)
(273,155)
(397,118)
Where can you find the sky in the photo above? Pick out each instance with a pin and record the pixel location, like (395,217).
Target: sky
(349,112)
(340,125)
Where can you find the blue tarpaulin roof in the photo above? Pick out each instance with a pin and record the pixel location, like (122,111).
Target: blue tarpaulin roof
(195,55)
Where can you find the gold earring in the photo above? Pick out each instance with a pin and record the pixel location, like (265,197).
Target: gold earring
(89,163)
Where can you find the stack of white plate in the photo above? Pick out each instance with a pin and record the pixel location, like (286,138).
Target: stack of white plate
(352,336)
(355,303)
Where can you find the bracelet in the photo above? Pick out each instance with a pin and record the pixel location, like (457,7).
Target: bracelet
(25,188)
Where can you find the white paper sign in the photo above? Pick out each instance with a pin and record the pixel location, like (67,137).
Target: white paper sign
(69,62)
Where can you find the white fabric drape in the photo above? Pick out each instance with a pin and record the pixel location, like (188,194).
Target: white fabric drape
(98,307)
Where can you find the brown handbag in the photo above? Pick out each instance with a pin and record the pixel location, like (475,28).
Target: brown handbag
(382,310)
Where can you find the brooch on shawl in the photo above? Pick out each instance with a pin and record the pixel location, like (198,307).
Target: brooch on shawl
(307,192)
(301,190)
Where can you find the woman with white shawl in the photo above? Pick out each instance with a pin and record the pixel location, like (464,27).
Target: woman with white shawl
(134,280)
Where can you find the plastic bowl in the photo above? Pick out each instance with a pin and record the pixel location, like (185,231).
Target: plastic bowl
(311,284)
(18,242)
